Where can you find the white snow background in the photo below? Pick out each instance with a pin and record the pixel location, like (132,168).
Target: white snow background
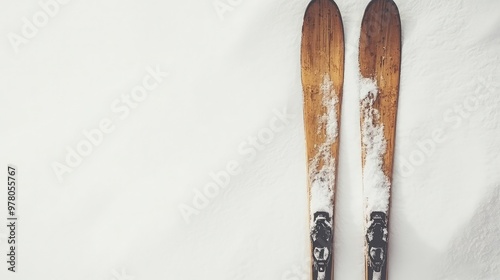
(232,73)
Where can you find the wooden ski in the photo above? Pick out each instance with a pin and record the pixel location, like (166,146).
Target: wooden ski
(322,61)
(380,63)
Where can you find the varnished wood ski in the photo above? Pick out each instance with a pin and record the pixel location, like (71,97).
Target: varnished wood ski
(322,62)
(379,60)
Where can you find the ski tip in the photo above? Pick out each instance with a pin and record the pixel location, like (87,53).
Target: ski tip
(323,3)
(380,10)
(317,7)
(388,4)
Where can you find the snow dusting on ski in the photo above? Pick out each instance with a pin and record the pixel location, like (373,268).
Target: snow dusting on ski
(376,185)
(322,179)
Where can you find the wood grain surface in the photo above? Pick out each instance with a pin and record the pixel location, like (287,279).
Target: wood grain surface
(380,59)
(322,52)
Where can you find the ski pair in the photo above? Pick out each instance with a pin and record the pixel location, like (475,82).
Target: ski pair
(322,62)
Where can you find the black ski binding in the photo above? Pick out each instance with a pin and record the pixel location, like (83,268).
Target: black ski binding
(322,239)
(376,238)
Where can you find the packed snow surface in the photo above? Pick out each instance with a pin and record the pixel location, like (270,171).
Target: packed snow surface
(376,185)
(322,179)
